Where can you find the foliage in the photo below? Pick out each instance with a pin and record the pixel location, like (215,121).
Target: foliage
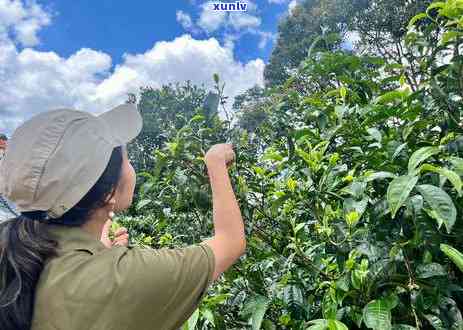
(350,188)
(164,111)
(379,26)
(382,24)
(312,22)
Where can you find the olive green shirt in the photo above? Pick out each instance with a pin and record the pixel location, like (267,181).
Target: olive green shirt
(90,287)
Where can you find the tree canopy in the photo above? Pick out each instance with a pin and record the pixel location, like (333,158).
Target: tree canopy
(350,184)
(328,24)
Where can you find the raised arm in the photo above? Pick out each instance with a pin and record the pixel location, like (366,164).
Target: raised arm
(229,242)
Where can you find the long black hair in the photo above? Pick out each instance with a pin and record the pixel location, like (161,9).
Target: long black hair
(25,245)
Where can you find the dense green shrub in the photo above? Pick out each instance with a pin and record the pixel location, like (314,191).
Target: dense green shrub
(348,186)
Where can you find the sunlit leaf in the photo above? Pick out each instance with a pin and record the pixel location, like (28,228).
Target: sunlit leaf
(377,315)
(421,155)
(398,191)
(441,205)
(256,308)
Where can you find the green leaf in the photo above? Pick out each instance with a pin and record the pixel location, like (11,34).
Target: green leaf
(375,134)
(343,283)
(191,323)
(391,301)
(326,325)
(402,327)
(343,92)
(454,255)
(430,270)
(398,191)
(421,155)
(329,307)
(355,279)
(268,325)
(112,231)
(398,150)
(450,175)
(390,97)
(437,4)
(449,36)
(298,227)
(407,131)
(197,118)
(336,325)
(216,78)
(358,206)
(442,207)
(377,315)
(355,189)
(256,308)
(402,80)
(457,165)
(416,18)
(435,321)
(208,315)
(211,104)
(352,218)
(340,110)
(379,176)
(143,203)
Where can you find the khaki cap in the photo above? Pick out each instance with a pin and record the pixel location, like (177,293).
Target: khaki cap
(56,157)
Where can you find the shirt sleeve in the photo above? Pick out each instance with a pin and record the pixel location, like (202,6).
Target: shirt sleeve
(165,286)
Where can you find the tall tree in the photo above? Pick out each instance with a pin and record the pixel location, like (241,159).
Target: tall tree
(297,32)
(380,26)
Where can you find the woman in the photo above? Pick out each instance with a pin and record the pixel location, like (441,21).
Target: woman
(6,209)
(68,172)
(3,144)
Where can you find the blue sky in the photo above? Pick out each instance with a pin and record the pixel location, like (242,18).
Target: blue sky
(88,55)
(133,27)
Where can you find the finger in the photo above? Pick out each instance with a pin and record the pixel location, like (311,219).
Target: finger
(105,234)
(121,241)
(124,242)
(121,238)
(106,229)
(120,231)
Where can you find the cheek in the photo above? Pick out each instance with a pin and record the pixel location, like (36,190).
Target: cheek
(126,188)
(131,178)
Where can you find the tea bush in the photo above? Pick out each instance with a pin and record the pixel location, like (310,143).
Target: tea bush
(349,180)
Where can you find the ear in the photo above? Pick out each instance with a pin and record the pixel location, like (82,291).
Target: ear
(111,199)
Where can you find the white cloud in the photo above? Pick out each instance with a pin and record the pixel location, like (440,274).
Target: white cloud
(241,20)
(292,5)
(210,20)
(33,81)
(182,59)
(185,20)
(265,38)
(233,24)
(22,21)
(229,41)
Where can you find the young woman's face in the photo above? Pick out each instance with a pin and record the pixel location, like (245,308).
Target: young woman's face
(126,187)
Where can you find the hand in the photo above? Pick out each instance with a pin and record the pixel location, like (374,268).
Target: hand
(220,153)
(121,236)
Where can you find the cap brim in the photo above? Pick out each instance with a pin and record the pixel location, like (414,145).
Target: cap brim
(124,121)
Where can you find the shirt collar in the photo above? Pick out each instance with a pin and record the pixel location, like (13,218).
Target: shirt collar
(75,238)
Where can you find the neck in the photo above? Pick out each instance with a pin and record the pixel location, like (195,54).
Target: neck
(94,225)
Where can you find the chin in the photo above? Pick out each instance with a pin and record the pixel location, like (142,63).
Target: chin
(123,206)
